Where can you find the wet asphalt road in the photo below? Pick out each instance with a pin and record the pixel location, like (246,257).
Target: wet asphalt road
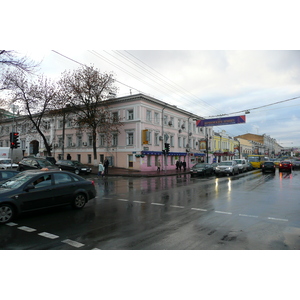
(248,211)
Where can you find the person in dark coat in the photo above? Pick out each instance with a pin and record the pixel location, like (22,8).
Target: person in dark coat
(106,164)
(180,165)
(184,165)
(69,156)
(177,165)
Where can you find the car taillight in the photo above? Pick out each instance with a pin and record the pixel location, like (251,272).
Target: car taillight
(93,182)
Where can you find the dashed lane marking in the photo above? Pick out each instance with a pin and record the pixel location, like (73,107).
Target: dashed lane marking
(223,212)
(25,228)
(123,200)
(277,219)
(48,235)
(201,209)
(176,206)
(72,243)
(11,224)
(154,203)
(136,201)
(249,216)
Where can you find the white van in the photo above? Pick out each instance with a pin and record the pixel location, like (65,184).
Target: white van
(242,164)
(5,163)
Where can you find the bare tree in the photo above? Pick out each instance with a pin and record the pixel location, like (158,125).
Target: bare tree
(88,89)
(9,58)
(34,99)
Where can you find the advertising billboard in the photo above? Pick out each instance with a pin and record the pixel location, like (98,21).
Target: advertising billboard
(221,121)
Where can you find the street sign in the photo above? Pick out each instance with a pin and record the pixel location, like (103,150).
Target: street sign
(221,121)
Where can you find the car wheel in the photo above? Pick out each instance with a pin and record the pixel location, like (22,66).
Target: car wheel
(76,172)
(6,213)
(80,201)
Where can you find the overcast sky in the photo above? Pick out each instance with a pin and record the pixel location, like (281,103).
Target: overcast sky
(208,83)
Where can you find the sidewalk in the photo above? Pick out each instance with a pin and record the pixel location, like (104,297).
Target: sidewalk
(113,171)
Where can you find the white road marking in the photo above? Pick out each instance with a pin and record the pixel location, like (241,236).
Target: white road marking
(176,206)
(250,216)
(276,219)
(11,224)
(223,212)
(157,203)
(123,199)
(48,235)
(199,209)
(28,229)
(72,243)
(136,201)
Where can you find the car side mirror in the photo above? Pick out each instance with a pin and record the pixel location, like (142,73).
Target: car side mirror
(29,187)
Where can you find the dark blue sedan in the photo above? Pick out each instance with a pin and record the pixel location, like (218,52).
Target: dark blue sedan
(37,189)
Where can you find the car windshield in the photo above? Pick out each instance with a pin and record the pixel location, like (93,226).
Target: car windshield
(226,163)
(6,161)
(239,161)
(44,163)
(16,181)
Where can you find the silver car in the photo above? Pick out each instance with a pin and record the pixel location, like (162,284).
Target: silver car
(227,168)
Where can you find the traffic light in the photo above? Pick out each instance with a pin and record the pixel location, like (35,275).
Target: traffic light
(14,140)
(167,148)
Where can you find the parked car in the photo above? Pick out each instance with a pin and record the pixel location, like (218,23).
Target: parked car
(242,164)
(201,169)
(296,163)
(214,166)
(6,174)
(268,166)
(285,165)
(6,163)
(36,189)
(73,166)
(227,168)
(35,163)
(249,166)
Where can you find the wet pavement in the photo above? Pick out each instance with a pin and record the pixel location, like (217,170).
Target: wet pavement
(113,171)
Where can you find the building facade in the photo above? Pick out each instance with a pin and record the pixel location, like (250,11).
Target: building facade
(148,124)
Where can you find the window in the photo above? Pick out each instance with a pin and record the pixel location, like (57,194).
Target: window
(179,142)
(89,158)
(130,114)
(115,116)
(165,119)
(69,141)
(156,118)
(149,160)
(156,139)
(130,139)
(79,141)
(114,139)
(90,140)
(62,178)
(172,141)
(101,140)
(42,181)
(148,116)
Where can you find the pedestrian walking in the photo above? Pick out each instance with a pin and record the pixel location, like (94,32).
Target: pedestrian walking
(184,165)
(180,165)
(177,165)
(69,156)
(106,164)
(101,169)
(158,165)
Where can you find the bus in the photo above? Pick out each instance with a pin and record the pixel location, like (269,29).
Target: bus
(257,160)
